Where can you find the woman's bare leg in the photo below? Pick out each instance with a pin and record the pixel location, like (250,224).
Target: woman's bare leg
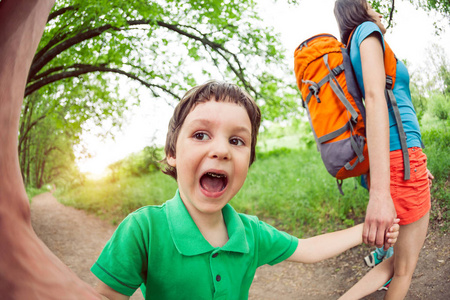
(373,280)
(28,269)
(400,267)
(406,252)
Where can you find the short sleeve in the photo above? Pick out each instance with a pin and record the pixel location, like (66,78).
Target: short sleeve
(363,31)
(123,261)
(274,246)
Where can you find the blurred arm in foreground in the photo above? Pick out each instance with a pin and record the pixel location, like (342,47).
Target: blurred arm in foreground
(28,269)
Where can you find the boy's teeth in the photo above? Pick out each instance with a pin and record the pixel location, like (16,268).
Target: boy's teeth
(216,175)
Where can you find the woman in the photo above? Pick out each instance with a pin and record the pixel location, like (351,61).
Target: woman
(389,194)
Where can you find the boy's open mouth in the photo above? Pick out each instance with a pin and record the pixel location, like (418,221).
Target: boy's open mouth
(213,182)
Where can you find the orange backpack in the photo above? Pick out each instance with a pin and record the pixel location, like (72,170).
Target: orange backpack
(333,101)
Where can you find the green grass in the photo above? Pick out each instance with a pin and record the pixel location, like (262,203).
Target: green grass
(292,190)
(289,141)
(288,188)
(437,149)
(115,200)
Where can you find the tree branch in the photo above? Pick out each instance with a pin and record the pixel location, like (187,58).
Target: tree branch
(218,48)
(46,73)
(60,12)
(80,69)
(29,128)
(391,14)
(46,54)
(52,53)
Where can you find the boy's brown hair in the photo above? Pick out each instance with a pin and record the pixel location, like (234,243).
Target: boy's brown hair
(220,92)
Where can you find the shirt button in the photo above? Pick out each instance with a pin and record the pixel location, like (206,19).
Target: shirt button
(218,278)
(215,255)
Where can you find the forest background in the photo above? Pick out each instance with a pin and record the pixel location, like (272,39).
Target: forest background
(95,57)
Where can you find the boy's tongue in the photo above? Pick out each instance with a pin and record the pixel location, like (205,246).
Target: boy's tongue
(211,183)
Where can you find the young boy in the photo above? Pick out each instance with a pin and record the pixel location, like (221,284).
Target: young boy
(196,246)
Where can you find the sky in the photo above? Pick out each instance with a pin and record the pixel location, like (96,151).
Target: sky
(145,125)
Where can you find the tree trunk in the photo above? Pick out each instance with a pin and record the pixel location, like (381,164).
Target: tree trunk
(41,174)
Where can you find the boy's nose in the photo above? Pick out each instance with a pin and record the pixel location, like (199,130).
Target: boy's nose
(220,150)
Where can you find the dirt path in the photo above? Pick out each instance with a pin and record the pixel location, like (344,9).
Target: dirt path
(77,239)
(74,236)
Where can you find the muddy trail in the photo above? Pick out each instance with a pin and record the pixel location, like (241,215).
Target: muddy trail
(77,238)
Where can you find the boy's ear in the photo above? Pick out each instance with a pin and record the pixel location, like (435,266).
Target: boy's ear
(172,161)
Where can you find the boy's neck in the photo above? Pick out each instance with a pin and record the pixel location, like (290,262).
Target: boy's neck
(212,227)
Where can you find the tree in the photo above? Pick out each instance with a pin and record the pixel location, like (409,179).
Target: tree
(51,124)
(156,43)
(387,8)
(89,45)
(166,46)
(430,91)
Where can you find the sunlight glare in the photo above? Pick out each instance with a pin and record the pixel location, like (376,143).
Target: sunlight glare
(95,167)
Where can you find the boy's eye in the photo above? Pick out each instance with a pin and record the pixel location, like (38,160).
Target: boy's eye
(237,142)
(201,136)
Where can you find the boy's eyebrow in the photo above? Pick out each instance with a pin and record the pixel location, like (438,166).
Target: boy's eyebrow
(206,122)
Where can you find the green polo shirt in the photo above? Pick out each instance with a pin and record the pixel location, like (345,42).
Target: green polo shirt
(161,250)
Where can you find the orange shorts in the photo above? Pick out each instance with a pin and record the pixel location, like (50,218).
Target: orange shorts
(411,197)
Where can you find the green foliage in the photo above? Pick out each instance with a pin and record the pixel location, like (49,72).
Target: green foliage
(51,126)
(440,107)
(288,188)
(295,133)
(274,153)
(32,191)
(90,47)
(437,149)
(442,7)
(430,90)
(137,164)
(115,200)
(437,114)
(292,190)
(159,44)
(434,101)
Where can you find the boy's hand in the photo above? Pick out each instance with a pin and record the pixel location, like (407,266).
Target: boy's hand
(392,235)
(430,177)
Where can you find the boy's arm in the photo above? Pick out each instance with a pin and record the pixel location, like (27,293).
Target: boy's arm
(321,247)
(109,293)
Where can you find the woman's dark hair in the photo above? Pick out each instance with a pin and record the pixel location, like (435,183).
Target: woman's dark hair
(350,14)
(220,92)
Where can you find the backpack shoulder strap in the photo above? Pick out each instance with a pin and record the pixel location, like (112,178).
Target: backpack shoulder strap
(390,67)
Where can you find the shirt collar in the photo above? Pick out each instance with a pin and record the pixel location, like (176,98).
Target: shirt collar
(187,237)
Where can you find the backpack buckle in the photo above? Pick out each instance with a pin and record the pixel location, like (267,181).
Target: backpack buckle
(314,89)
(389,82)
(336,71)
